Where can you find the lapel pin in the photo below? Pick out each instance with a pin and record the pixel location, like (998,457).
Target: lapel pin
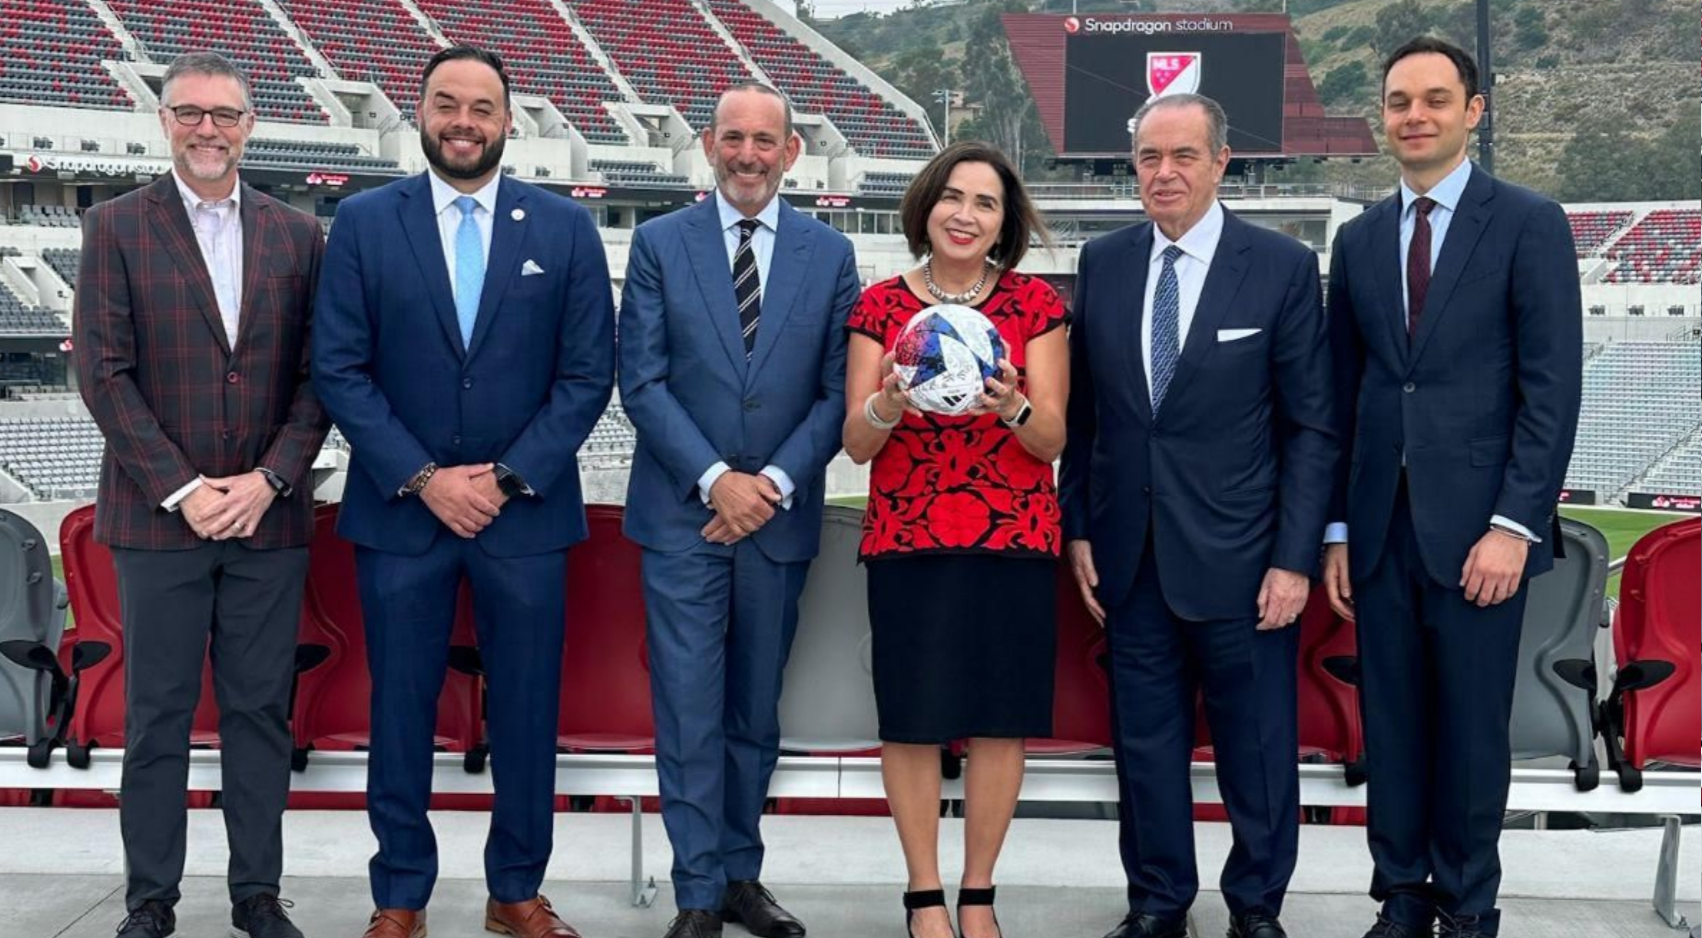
(518,214)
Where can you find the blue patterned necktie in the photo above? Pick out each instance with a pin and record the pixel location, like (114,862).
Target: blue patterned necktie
(469,269)
(747,283)
(1166,315)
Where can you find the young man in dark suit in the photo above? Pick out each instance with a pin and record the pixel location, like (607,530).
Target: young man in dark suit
(1455,315)
(191,330)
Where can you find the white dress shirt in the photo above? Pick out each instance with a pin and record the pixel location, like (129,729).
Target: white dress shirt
(1199,246)
(218,233)
(443,196)
(762,244)
(1446,194)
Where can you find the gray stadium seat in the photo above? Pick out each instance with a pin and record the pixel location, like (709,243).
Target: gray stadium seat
(1554,696)
(32,621)
(828,702)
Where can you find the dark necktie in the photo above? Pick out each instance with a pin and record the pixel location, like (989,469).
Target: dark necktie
(1418,263)
(747,283)
(1166,326)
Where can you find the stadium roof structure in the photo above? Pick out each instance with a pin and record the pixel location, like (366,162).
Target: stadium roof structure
(1038,43)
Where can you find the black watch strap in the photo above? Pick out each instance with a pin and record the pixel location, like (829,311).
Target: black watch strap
(510,484)
(276,482)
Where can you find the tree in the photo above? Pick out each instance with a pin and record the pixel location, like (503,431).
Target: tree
(921,72)
(1008,118)
(1346,86)
(1398,22)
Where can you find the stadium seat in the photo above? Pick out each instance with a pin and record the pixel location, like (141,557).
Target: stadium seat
(605,679)
(1652,714)
(1081,689)
(34,689)
(828,702)
(1554,695)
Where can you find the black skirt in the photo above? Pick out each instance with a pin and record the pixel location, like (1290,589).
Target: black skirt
(964,645)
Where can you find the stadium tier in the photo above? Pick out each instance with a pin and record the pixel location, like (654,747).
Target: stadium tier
(1640,399)
(240,29)
(48,216)
(543,54)
(885,184)
(296,153)
(1679,472)
(53,54)
(633,173)
(872,124)
(18,318)
(66,262)
(368,40)
(1591,231)
(1665,247)
(55,458)
(668,51)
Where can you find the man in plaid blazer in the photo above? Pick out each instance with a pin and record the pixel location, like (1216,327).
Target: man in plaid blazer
(191,335)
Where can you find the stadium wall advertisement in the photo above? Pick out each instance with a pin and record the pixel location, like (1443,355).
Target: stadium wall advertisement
(1578,497)
(1664,502)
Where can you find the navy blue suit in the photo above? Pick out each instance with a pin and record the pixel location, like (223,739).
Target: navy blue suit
(1185,513)
(721,618)
(1471,417)
(393,373)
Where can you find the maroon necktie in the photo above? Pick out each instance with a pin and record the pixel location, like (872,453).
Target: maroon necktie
(1418,263)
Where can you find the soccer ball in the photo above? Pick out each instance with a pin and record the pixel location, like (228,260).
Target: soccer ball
(944,357)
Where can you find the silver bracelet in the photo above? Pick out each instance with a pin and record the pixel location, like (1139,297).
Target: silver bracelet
(874,419)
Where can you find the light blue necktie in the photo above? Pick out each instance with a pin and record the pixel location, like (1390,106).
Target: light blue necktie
(1166,314)
(469,269)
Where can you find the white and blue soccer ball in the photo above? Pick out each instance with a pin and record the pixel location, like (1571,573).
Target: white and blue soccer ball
(944,356)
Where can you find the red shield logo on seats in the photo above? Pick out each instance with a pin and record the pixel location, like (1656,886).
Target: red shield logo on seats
(1172,73)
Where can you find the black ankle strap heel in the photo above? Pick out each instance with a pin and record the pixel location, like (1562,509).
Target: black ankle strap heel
(968,896)
(921,899)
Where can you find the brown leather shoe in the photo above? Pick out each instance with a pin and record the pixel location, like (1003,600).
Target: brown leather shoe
(533,918)
(396,923)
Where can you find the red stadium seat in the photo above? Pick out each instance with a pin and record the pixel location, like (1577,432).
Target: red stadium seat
(1081,690)
(1653,711)
(605,678)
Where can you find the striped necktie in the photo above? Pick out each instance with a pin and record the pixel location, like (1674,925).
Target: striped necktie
(747,283)
(1166,330)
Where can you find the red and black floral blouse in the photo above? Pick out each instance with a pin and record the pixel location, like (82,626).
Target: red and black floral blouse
(961,484)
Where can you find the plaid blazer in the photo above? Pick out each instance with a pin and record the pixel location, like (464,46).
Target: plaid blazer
(171,396)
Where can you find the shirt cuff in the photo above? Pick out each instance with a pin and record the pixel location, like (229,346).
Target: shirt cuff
(177,497)
(1502,521)
(706,481)
(783,482)
(1335,532)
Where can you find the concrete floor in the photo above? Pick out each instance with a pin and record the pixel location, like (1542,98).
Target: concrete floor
(61,877)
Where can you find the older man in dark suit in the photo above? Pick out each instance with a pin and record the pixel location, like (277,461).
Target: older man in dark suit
(191,331)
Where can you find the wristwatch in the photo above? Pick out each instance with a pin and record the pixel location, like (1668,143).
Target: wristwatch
(276,482)
(1022,415)
(509,483)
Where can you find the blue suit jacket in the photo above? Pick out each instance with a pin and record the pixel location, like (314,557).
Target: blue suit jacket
(694,398)
(1233,476)
(390,368)
(1483,401)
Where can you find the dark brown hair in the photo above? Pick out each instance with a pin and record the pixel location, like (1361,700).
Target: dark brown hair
(1463,61)
(1022,219)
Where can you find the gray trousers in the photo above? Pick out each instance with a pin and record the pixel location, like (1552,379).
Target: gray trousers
(243,607)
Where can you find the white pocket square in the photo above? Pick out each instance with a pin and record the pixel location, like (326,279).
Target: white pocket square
(530,268)
(1230,335)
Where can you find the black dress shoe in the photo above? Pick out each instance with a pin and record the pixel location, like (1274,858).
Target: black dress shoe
(695,923)
(1142,925)
(750,904)
(262,916)
(1388,928)
(152,919)
(1463,926)
(1254,925)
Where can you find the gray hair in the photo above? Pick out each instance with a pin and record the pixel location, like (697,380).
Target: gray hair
(206,63)
(1217,123)
(760,88)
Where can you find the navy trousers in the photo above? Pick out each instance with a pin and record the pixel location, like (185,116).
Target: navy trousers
(1436,691)
(409,606)
(1160,665)
(720,625)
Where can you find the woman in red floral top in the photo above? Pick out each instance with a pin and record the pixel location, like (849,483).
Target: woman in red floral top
(962,532)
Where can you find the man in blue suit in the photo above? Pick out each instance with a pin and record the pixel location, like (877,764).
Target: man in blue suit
(1455,312)
(1194,489)
(732,358)
(465,346)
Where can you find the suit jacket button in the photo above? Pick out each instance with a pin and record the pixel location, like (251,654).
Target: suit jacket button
(1146,490)
(467,383)
(1409,387)
(234,378)
(752,405)
(454,441)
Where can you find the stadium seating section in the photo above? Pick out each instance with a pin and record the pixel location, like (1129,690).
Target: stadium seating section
(66,262)
(368,40)
(48,216)
(884,184)
(633,173)
(1640,399)
(667,50)
(19,318)
(1665,247)
(612,439)
(53,54)
(543,54)
(1591,231)
(56,458)
(872,124)
(240,29)
(318,155)
(1679,473)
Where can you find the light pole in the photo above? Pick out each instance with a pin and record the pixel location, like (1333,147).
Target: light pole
(1486,68)
(944,97)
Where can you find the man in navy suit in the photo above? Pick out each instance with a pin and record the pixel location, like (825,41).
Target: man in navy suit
(732,358)
(1454,308)
(1194,490)
(465,346)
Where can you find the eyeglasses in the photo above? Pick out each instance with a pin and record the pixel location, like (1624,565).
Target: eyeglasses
(190,116)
